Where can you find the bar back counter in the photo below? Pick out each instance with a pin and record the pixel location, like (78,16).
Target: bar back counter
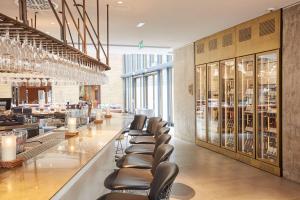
(75,168)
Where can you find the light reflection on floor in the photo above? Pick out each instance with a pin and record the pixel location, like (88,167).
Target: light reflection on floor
(206,175)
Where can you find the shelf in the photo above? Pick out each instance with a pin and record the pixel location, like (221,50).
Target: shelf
(24,31)
(249,129)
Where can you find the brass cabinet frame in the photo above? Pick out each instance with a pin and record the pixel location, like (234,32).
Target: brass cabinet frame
(235,106)
(206,101)
(219,107)
(254,106)
(256,46)
(278,106)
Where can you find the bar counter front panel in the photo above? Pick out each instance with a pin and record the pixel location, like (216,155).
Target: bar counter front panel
(62,171)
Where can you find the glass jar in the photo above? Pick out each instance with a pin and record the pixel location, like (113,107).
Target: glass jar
(21,135)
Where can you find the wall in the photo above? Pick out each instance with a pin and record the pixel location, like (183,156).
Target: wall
(63,94)
(5,91)
(184,102)
(291,93)
(112,92)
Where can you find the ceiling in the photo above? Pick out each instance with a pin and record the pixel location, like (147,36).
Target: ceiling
(168,23)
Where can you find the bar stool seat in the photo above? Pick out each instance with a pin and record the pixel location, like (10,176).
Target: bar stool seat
(141,149)
(129,179)
(149,139)
(138,179)
(165,175)
(142,140)
(134,133)
(123,196)
(148,149)
(140,161)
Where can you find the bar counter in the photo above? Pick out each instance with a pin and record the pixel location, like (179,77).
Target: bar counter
(73,169)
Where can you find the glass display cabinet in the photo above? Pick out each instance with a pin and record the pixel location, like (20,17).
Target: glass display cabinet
(227,69)
(243,92)
(267,106)
(245,105)
(213,109)
(201,102)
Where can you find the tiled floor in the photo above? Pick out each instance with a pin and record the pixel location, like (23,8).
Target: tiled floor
(206,175)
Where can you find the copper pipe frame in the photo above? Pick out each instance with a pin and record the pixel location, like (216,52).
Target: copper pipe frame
(57,18)
(88,31)
(84,27)
(107,29)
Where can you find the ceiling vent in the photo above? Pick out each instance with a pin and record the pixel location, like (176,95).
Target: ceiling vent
(39,5)
(267,27)
(200,48)
(227,40)
(213,44)
(245,34)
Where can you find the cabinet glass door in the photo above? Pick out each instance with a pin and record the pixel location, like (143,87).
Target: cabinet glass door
(201,102)
(227,68)
(267,107)
(245,104)
(213,103)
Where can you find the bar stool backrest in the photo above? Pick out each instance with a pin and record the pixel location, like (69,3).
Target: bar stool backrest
(163,130)
(162,154)
(164,177)
(158,126)
(138,122)
(163,139)
(152,124)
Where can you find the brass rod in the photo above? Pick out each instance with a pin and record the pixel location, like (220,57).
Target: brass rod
(69,30)
(64,21)
(35,18)
(78,34)
(107,34)
(98,31)
(98,39)
(57,18)
(74,22)
(84,26)
(23,11)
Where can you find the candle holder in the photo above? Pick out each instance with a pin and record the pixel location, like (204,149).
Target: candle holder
(98,121)
(9,152)
(99,117)
(72,128)
(107,112)
(12,164)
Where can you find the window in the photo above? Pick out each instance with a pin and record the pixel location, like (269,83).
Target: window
(151,89)
(165,95)
(150,92)
(138,93)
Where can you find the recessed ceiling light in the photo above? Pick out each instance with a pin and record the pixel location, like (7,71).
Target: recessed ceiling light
(48,32)
(141,24)
(52,23)
(119,2)
(270,9)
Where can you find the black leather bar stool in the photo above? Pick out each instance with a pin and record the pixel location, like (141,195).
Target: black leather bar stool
(140,161)
(165,176)
(137,179)
(151,128)
(149,149)
(137,124)
(149,139)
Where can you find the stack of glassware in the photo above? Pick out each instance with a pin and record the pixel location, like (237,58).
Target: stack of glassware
(28,57)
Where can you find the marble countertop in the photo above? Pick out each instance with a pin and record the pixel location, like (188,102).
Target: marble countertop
(44,175)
